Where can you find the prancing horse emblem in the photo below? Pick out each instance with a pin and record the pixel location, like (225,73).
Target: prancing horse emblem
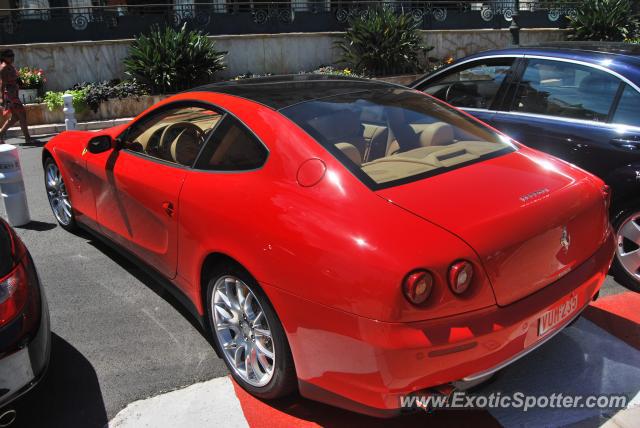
(565,240)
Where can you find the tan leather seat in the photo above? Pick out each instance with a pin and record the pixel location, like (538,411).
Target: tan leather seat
(343,126)
(185,147)
(435,134)
(351,152)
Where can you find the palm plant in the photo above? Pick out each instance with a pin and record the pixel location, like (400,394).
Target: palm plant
(382,42)
(604,20)
(169,61)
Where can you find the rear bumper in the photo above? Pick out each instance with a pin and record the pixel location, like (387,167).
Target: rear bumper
(24,367)
(367,365)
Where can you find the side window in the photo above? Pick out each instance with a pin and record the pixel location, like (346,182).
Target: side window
(232,148)
(473,85)
(173,135)
(627,110)
(565,89)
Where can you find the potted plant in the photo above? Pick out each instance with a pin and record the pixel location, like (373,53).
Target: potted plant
(31,81)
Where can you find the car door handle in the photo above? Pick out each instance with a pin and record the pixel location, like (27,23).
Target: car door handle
(168,208)
(627,143)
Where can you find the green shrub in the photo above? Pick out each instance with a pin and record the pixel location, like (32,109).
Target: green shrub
(382,42)
(54,101)
(97,93)
(169,61)
(604,20)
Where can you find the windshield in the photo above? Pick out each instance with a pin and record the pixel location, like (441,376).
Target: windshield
(393,136)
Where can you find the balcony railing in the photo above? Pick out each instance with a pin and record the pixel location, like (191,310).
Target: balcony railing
(83,20)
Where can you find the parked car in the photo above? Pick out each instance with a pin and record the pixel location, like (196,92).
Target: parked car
(577,101)
(25,338)
(354,239)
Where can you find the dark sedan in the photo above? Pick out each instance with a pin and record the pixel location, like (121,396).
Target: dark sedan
(580,102)
(25,337)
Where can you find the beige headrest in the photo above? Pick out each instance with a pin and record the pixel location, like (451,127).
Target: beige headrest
(435,134)
(351,152)
(185,147)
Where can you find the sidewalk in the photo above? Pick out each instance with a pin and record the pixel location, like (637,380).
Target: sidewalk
(59,127)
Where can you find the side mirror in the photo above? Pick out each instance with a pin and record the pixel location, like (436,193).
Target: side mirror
(100,144)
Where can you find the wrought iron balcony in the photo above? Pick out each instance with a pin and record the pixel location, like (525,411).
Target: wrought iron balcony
(117,19)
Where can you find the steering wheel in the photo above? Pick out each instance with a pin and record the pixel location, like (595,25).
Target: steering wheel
(456,92)
(168,135)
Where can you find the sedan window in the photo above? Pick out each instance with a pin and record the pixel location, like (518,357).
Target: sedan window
(173,135)
(627,111)
(564,89)
(473,85)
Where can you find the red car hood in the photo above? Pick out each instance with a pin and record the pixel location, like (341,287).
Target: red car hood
(529,217)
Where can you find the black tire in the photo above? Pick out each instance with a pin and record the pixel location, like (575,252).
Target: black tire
(71,225)
(622,275)
(284,380)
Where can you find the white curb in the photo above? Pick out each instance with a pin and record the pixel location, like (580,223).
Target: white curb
(206,404)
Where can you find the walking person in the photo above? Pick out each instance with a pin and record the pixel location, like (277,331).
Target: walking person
(13,110)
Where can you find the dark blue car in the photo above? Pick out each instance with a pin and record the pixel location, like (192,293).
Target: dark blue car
(579,102)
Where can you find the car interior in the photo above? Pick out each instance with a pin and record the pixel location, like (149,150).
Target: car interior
(391,147)
(475,87)
(174,136)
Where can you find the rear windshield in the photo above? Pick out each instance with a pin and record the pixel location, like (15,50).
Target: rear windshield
(392,136)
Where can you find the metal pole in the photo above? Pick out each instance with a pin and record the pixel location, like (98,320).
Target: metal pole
(514,28)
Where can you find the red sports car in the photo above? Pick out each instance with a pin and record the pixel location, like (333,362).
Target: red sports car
(352,239)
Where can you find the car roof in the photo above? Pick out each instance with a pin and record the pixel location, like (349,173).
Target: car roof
(279,92)
(587,51)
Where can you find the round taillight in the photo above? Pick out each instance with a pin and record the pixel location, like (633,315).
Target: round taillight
(417,286)
(460,276)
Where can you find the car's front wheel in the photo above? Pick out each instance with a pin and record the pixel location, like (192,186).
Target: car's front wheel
(626,265)
(58,196)
(249,334)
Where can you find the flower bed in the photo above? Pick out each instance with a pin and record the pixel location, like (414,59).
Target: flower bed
(39,114)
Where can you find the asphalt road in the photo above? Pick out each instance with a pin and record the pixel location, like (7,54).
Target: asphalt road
(117,335)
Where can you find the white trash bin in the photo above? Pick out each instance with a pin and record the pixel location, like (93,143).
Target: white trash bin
(12,186)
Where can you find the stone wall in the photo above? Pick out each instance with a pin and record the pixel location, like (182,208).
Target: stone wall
(39,114)
(66,64)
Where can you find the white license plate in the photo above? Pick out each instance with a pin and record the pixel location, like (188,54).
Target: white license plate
(556,315)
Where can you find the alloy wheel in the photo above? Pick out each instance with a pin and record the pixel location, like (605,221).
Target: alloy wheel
(243,331)
(628,250)
(57,194)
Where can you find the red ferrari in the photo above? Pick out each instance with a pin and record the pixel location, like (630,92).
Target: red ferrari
(354,240)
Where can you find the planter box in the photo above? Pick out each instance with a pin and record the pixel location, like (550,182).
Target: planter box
(39,114)
(28,96)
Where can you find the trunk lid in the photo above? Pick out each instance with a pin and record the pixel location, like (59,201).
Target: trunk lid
(530,218)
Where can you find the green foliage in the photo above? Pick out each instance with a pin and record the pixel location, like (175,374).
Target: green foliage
(169,61)
(382,42)
(97,93)
(54,101)
(604,20)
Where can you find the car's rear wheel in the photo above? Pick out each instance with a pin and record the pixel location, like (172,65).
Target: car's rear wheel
(626,265)
(58,196)
(249,334)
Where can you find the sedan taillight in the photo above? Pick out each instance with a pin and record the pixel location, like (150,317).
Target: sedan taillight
(417,286)
(14,282)
(14,290)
